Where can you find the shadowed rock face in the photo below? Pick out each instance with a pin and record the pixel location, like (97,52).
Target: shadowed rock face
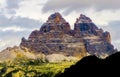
(96,41)
(85,26)
(93,66)
(55,36)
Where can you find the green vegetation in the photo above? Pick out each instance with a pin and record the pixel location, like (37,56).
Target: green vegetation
(24,67)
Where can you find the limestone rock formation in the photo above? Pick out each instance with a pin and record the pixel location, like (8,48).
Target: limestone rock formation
(84,26)
(55,23)
(96,41)
(56,37)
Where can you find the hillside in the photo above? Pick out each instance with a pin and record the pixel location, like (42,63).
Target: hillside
(95,66)
(55,37)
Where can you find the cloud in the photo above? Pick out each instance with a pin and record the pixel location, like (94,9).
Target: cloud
(32,9)
(75,5)
(14,4)
(14,29)
(2,3)
(9,7)
(19,22)
(104,17)
(115,29)
(116,44)
(12,41)
(11,38)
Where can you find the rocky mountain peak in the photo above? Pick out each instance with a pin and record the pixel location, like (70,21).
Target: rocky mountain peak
(55,36)
(56,17)
(85,26)
(55,22)
(83,19)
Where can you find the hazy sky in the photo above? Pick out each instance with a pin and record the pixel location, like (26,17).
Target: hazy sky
(19,17)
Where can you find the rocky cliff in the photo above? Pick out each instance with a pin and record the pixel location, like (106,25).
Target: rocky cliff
(56,36)
(97,42)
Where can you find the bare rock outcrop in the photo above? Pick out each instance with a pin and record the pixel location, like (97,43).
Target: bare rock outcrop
(56,37)
(97,42)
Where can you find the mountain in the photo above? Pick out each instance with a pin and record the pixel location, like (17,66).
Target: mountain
(55,46)
(11,53)
(56,41)
(97,42)
(56,36)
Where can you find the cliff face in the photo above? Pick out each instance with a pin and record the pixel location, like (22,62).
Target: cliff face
(96,41)
(55,23)
(55,36)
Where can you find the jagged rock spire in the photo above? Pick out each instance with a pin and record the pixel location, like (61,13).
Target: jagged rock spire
(85,25)
(55,22)
(83,19)
(55,36)
(55,18)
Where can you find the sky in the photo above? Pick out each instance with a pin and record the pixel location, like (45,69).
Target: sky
(18,18)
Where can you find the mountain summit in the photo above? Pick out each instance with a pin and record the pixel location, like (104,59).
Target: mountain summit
(97,42)
(55,22)
(85,26)
(56,36)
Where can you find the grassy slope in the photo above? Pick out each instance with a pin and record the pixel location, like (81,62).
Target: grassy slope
(23,67)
